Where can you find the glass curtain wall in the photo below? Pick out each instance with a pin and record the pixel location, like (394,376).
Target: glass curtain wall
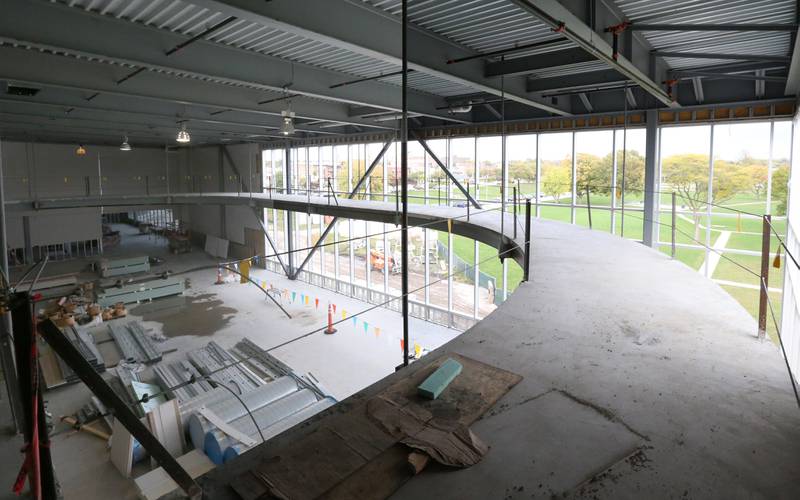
(743,166)
(725,177)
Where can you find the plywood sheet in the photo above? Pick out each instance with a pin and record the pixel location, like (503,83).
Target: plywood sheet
(157,483)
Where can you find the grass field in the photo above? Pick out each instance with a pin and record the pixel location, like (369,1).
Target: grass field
(743,234)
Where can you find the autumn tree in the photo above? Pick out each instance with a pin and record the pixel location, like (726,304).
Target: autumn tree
(687,174)
(556,177)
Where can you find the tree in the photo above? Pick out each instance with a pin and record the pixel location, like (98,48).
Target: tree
(522,169)
(556,178)
(780,188)
(687,174)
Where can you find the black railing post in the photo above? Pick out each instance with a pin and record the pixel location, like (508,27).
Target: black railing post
(589,206)
(674,221)
(527,266)
(764,285)
(515,210)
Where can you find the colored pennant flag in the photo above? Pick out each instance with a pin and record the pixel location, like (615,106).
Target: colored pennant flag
(316,302)
(417,350)
(334,308)
(402,346)
(264,285)
(449,225)
(344,314)
(294,295)
(355,321)
(366,327)
(377,332)
(307,297)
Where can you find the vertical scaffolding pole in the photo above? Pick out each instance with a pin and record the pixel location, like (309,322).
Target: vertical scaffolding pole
(674,222)
(404,181)
(527,267)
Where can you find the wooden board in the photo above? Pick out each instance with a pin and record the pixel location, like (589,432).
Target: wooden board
(121,448)
(165,423)
(157,483)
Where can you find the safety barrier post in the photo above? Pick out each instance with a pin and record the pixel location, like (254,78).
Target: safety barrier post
(515,210)
(589,206)
(764,285)
(674,220)
(527,266)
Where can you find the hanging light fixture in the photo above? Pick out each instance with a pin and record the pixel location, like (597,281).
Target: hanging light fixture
(183,135)
(287,127)
(80,151)
(125,146)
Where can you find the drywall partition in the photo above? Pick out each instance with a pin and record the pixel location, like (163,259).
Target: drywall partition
(790,322)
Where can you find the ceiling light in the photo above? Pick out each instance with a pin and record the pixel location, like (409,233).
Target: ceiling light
(80,151)
(183,135)
(287,127)
(125,146)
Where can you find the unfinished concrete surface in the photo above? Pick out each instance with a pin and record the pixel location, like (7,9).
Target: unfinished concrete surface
(642,379)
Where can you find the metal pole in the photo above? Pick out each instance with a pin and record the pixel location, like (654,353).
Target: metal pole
(404,181)
(515,211)
(527,263)
(674,217)
(589,206)
(6,343)
(468,202)
(764,285)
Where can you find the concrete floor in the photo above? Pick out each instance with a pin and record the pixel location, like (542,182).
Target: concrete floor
(642,379)
(345,362)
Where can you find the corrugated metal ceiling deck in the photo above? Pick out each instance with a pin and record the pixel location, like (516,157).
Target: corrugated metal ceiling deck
(713,12)
(188,19)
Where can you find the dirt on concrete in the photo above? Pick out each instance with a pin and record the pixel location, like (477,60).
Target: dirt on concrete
(199,315)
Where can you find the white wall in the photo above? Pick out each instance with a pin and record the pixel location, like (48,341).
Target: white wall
(790,323)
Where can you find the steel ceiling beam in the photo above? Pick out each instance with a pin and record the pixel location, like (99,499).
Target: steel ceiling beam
(558,17)
(711,27)
(375,36)
(530,64)
(717,55)
(731,76)
(143,48)
(572,82)
(42,69)
(793,81)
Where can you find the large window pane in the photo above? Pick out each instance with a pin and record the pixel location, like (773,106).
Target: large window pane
(489,169)
(437,180)
(462,165)
(555,156)
(685,170)
(521,161)
(594,166)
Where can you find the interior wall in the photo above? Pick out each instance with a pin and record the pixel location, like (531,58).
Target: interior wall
(790,323)
(210,170)
(33,171)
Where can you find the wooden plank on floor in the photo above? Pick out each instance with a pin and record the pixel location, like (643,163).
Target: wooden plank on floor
(165,424)
(121,448)
(157,483)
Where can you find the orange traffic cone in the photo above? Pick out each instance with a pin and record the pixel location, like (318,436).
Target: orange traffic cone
(219,281)
(330,330)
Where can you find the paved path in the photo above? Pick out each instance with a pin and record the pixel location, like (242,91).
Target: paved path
(713,258)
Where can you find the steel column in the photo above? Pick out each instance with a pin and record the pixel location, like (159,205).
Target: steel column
(404,180)
(763,297)
(650,180)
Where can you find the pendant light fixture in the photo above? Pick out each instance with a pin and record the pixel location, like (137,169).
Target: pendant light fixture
(183,136)
(287,126)
(80,151)
(125,146)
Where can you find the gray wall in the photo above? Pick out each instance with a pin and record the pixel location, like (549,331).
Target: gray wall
(37,170)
